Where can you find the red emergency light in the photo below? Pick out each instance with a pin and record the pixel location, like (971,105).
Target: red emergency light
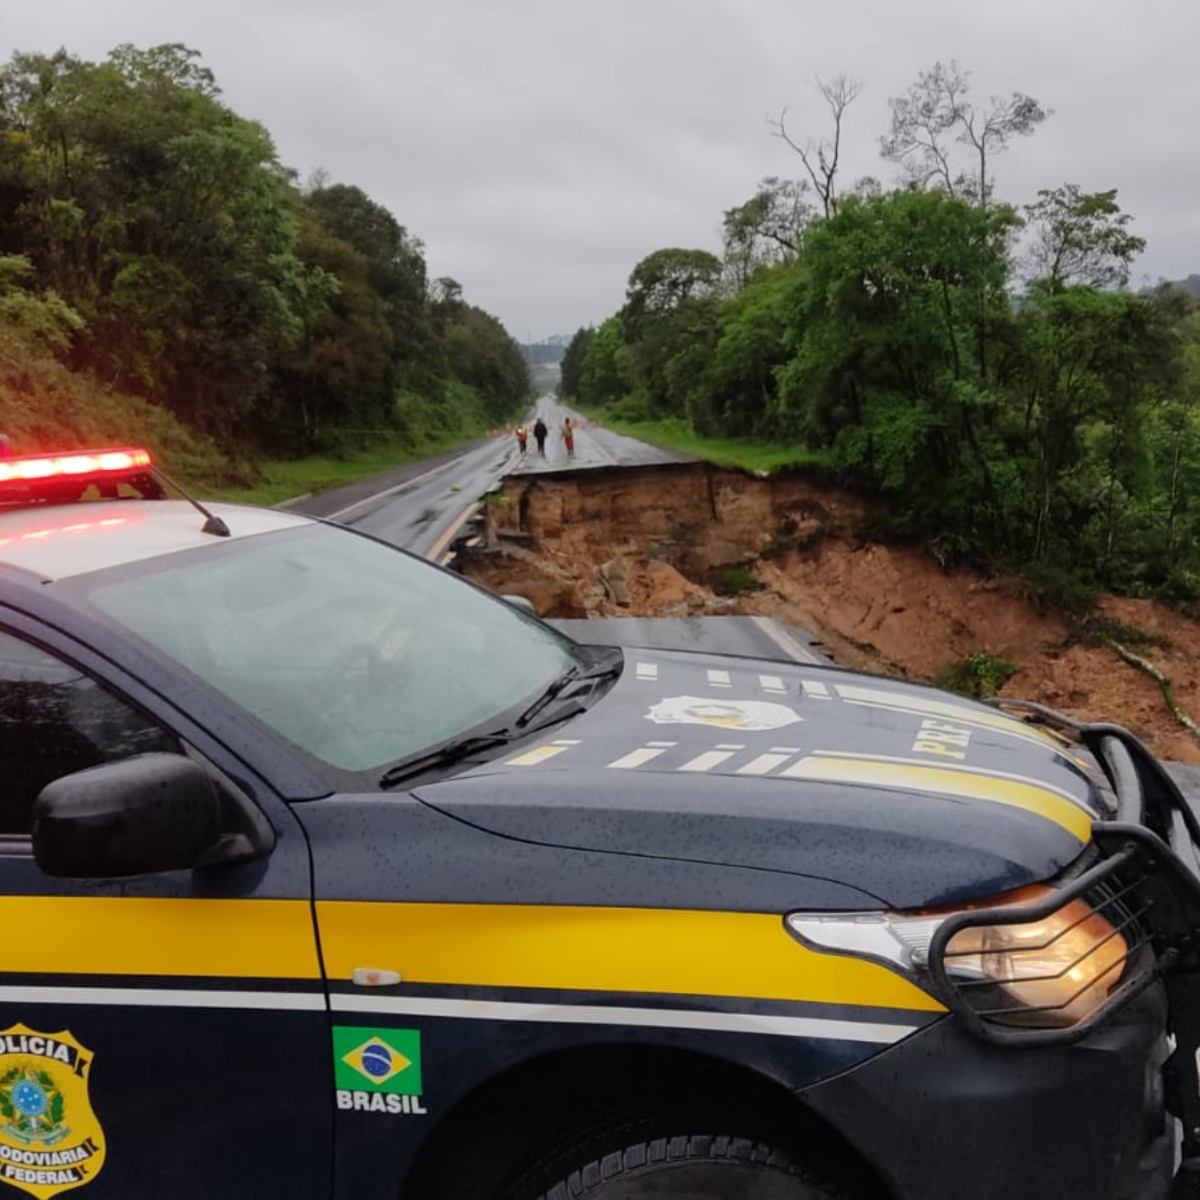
(38,479)
(37,468)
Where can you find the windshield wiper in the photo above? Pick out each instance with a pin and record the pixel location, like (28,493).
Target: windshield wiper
(451,752)
(601,667)
(606,661)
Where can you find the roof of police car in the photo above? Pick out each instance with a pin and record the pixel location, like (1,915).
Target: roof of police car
(57,541)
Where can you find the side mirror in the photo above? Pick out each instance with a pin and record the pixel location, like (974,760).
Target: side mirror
(521,602)
(154,812)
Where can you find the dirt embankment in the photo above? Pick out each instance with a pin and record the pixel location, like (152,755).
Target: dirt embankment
(693,541)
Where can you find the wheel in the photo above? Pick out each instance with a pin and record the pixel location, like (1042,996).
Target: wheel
(692,1167)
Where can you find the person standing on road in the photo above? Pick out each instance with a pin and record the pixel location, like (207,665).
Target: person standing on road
(539,435)
(568,436)
(522,437)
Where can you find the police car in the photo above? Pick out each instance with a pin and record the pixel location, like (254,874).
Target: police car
(328,874)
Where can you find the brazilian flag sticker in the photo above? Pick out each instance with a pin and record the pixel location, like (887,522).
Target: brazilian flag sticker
(378,1060)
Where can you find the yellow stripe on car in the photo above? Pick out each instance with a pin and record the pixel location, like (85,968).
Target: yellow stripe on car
(554,947)
(946,781)
(119,935)
(926,706)
(629,950)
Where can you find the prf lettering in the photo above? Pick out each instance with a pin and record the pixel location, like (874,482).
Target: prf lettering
(941,738)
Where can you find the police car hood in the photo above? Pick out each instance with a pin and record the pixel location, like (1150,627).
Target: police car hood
(908,793)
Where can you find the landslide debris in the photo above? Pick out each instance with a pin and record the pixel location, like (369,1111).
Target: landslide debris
(681,540)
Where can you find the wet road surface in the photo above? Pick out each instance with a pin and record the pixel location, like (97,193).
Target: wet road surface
(423,505)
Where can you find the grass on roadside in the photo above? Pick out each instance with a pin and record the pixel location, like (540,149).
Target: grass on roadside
(286,479)
(750,454)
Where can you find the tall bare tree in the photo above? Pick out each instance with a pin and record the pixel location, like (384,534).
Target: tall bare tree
(936,112)
(821,156)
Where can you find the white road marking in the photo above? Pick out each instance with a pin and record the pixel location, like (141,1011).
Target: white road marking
(707,760)
(719,679)
(784,640)
(763,764)
(816,689)
(637,758)
(647,672)
(773,684)
(539,754)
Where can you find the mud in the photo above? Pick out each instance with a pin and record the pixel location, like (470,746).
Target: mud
(694,540)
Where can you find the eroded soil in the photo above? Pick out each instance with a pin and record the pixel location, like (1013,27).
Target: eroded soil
(691,540)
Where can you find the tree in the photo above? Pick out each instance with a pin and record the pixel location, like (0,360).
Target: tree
(480,352)
(604,376)
(396,270)
(765,229)
(1091,362)
(572,362)
(163,219)
(669,301)
(936,111)
(1081,237)
(42,322)
(885,370)
(341,373)
(822,157)
(737,392)
(665,281)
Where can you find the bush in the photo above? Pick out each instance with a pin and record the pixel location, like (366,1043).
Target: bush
(979,676)
(738,580)
(1051,584)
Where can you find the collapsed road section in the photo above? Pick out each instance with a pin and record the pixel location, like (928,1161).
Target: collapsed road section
(689,540)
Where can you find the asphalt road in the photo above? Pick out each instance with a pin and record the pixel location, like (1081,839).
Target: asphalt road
(422,506)
(594,446)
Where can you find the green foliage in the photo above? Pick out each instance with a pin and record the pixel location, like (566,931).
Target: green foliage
(766,229)
(150,237)
(604,374)
(980,676)
(1047,583)
(669,323)
(481,354)
(1051,432)
(39,321)
(46,407)
(1082,237)
(738,579)
(1098,630)
(737,389)
(572,363)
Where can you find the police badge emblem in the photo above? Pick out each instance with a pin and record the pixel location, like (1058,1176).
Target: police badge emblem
(749,715)
(50,1139)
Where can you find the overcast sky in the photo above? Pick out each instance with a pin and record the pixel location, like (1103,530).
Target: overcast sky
(540,148)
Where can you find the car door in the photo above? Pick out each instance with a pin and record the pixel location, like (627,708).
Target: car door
(162,1036)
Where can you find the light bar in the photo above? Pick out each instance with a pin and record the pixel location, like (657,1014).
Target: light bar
(34,468)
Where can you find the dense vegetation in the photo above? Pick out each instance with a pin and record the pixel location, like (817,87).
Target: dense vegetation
(160,269)
(984,371)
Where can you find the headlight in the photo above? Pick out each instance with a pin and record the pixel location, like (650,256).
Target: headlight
(1051,971)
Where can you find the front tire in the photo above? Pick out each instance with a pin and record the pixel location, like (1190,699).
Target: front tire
(691,1167)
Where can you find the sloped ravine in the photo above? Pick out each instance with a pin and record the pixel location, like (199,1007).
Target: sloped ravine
(686,540)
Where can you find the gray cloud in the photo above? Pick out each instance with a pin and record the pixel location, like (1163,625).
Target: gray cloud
(541,148)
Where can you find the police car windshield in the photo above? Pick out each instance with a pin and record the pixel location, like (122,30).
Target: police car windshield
(353,651)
